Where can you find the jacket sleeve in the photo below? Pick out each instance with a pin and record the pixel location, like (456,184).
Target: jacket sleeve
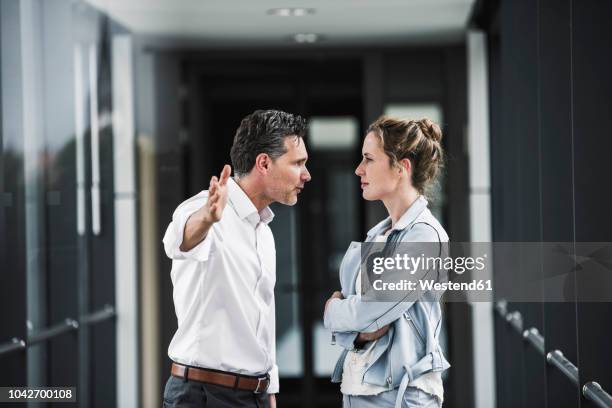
(353,315)
(345,340)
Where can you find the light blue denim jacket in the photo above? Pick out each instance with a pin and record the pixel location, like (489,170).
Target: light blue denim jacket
(410,348)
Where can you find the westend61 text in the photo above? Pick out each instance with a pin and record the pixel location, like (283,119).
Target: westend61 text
(426,285)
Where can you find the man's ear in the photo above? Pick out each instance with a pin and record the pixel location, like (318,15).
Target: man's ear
(262,163)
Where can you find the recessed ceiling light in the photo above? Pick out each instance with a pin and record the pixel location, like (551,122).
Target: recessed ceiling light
(306,38)
(291,12)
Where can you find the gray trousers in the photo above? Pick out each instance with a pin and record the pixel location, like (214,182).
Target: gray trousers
(181,393)
(413,397)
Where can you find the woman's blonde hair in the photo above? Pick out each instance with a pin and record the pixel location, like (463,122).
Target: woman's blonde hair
(418,141)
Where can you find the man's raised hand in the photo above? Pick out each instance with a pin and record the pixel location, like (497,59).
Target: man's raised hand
(201,221)
(217,196)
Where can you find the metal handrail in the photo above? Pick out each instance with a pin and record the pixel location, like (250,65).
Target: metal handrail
(501,307)
(98,316)
(557,359)
(14,345)
(534,337)
(593,391)
(516,320)
(66,326)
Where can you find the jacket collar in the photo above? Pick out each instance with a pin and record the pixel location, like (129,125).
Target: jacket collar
(411,214)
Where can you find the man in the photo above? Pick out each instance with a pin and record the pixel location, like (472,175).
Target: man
(224,269)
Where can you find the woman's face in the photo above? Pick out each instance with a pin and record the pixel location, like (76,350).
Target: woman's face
(378,178)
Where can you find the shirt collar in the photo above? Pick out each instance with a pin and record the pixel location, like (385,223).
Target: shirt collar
(406,219)
(244,206)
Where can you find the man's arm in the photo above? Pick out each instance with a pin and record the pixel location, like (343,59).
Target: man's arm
(199,222)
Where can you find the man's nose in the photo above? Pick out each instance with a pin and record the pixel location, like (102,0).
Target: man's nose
(306,176)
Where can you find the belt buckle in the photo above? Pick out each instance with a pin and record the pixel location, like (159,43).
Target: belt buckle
(259,380)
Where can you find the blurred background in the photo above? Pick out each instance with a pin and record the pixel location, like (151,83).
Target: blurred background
(114,111)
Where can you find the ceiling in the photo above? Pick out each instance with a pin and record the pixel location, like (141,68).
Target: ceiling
(336,22)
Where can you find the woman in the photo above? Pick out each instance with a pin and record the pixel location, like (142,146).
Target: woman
(391,354)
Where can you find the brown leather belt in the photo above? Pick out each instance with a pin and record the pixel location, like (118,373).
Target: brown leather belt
(255,384)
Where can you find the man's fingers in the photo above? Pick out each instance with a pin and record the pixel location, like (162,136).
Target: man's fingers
(213,199)
(212,189)
(225,173)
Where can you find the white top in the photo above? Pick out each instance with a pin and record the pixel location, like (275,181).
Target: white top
(357,362)
(224,289)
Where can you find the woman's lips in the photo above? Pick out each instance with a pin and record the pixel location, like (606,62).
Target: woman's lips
(364,185)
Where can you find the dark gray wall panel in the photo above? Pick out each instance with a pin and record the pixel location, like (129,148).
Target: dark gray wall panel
(592,93)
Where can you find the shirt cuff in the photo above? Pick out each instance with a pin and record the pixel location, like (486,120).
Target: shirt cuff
(327,320)
(274,383)
(346,340)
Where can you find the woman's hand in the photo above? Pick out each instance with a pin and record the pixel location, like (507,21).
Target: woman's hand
(364,338)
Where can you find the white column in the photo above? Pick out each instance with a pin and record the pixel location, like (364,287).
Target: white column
(126,248)
(480,211)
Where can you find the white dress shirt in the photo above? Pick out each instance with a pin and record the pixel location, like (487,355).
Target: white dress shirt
(224,289)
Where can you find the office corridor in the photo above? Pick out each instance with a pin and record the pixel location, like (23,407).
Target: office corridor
(114,112)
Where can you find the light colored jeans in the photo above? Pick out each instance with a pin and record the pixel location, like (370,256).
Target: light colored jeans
(413,397)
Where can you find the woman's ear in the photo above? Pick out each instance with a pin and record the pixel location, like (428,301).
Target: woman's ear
(405,166)
(262,163)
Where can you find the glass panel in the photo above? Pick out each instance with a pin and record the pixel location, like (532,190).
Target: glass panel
(333,133)
(342,213)
(415,111)
(342,229)
(288,329)
(335,141)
